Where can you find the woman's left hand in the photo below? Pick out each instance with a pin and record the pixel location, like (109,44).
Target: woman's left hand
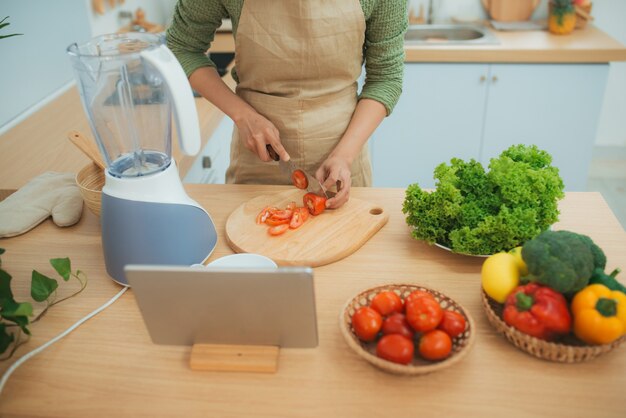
(335,170)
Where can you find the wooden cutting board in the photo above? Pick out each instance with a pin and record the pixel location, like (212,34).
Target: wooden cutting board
(321,240)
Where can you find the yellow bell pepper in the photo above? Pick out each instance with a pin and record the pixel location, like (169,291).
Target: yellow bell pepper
(599,314)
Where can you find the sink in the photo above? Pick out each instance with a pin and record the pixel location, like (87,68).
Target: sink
(449,34)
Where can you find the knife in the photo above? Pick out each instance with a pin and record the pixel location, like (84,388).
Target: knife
(288,167)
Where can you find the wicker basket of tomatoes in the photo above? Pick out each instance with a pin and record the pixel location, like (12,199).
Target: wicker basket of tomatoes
(407,329)
(552,299)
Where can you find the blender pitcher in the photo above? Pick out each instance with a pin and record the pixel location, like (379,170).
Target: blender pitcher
(130,85)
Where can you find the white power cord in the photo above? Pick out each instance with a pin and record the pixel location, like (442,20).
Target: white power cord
(39,349)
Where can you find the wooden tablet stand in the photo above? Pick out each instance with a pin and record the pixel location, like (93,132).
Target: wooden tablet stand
(234,358)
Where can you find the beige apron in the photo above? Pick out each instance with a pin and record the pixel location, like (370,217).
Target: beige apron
(297,63)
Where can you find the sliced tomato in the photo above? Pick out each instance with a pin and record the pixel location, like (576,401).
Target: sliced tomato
(296,220)
(291,206)
(282,214)
(299,179)
(265,213)
(316,204)
(304,213)
(278,229)
(271,221)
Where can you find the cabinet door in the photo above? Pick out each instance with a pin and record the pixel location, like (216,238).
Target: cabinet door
(439,116)
(555,107)
(211,164)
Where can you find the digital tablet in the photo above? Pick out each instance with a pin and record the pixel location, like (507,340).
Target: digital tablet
(221,305)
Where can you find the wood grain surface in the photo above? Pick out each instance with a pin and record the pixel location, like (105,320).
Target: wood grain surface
(321,240)
(109,367)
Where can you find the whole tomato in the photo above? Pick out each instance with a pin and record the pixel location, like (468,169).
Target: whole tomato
(386,303)
(435,345)
(397,324)
(423,313)
(396,348)
(452,323)
(418,294)
(366,323)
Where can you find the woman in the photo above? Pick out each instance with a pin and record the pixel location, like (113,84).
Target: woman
(296,66)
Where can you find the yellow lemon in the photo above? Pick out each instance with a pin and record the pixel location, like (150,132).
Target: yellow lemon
(521,265)
(500,276)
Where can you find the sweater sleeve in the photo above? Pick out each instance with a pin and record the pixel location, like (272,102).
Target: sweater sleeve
(384,52)
(192,30)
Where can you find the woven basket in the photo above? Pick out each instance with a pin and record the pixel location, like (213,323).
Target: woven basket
(568,350)
(90,180)
(460,345)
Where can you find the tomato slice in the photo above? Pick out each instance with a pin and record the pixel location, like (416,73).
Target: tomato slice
(316,204)
(299,179)
(304,213)
(282,214)
(265,213)
(271,221)
(296,220)
(291,206)
(278,229)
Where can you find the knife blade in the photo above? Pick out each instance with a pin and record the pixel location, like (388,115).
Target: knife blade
(288,167)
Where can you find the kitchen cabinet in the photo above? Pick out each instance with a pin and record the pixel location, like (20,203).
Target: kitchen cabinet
(478,110)
(211,164)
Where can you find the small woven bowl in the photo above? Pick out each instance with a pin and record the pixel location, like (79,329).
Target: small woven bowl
(568,350)
(90,180)
(367,350)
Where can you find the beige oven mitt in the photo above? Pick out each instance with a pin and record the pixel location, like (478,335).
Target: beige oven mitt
(48,194)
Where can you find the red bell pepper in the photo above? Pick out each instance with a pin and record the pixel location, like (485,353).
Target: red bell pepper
(538,311)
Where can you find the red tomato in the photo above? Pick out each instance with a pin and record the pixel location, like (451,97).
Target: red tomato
(299,179)
(452,323)
(386,303)
(278,229)
(296,220)
(395,348)
(423,314)
(316,204)
(435,345)
(397,324)
(282,214)
(418,294)
(304,212)
(265,213)
(366,323)
(271,221)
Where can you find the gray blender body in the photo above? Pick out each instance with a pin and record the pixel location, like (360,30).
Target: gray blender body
(135,232)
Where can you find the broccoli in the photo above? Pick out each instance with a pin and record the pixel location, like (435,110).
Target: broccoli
(562,260)
(474,211)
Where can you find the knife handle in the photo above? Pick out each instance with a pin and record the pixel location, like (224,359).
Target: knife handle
(273,154)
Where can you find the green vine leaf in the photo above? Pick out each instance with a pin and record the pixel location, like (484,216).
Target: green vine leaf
(5,338)
(62,266)
(21,321)
(13,308)
(41,286)
(5,288)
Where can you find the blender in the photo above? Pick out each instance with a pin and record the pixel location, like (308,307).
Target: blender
(130,84)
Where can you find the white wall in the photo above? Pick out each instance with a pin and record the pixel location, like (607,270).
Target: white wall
(35,65)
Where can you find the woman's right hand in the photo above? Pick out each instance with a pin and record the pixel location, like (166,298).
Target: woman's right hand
(256,132)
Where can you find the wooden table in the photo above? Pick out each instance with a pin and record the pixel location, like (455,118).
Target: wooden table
(109,367)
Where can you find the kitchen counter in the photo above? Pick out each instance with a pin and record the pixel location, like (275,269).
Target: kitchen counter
(590,45)
(109,367)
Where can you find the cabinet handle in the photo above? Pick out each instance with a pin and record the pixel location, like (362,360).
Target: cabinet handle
(206,162)
(483,78)
(494,79)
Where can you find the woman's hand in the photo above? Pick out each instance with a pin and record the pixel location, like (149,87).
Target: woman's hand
(256,132)
(335,170)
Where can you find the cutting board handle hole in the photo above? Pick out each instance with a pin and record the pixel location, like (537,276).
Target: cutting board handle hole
(376,211)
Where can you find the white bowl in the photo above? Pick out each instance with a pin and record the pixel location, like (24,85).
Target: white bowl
(243,260)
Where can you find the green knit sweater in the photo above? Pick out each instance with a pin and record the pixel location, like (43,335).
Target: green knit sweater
(195,22)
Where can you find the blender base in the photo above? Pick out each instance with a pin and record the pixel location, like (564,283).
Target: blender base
(154,233)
